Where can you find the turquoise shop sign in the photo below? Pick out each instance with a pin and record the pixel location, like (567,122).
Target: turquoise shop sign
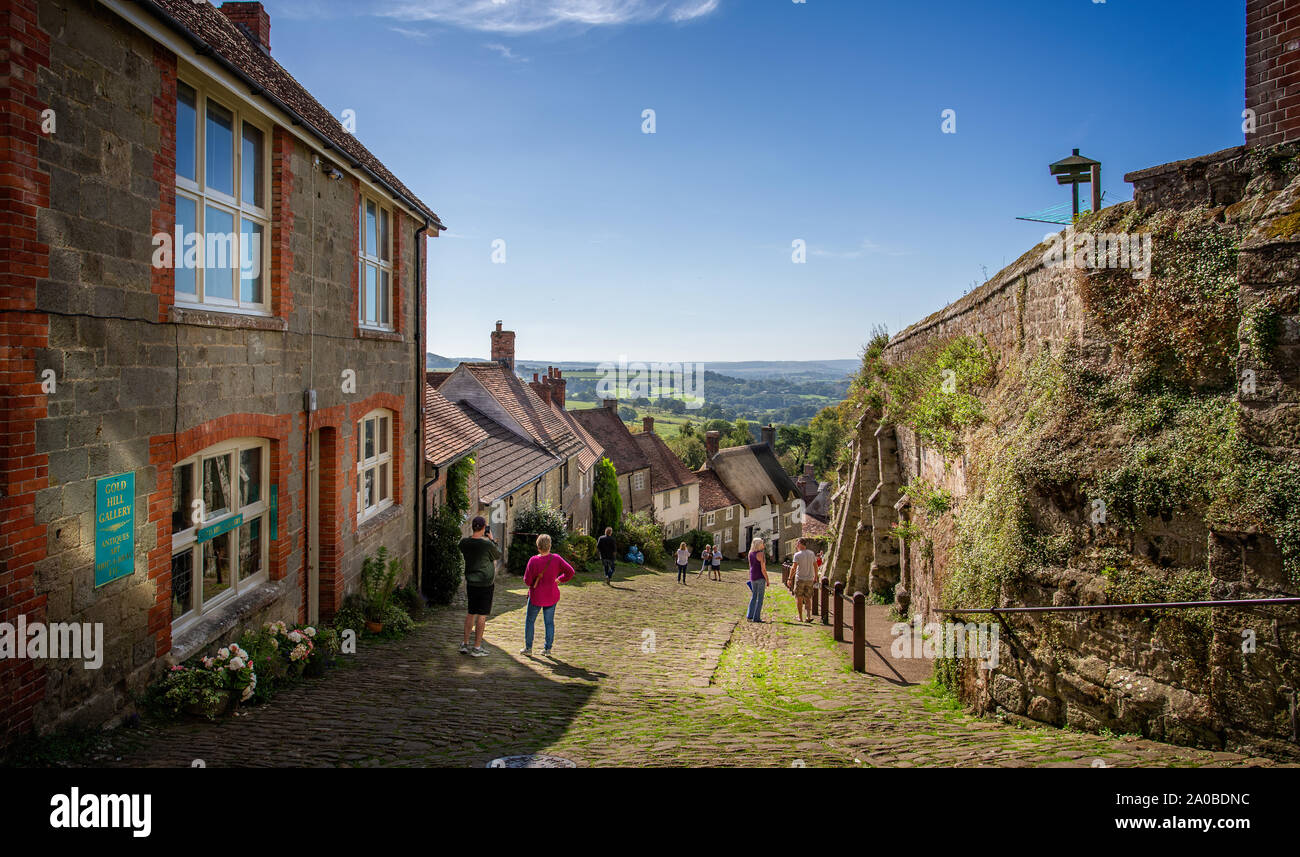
(114,528)
(208,533)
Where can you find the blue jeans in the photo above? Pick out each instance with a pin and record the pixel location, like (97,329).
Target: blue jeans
(548,617)
(756,599)
(609,568)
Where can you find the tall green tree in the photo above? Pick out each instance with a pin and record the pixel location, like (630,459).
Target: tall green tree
(606,504)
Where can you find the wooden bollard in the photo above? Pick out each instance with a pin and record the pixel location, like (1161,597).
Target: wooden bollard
(815,599)
(826,594)
(839,611)
(859,632)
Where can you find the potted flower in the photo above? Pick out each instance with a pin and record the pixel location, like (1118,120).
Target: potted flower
(378,580)
(326,647)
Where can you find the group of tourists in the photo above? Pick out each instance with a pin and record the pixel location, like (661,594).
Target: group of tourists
(546,571)
(710,561)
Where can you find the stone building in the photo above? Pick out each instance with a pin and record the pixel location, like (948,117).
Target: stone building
(675,489)
(629,460)
(212,344)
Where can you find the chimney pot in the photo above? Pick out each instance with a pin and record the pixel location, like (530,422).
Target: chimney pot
(648,425)
(612,404)
(503,347)
(711,441)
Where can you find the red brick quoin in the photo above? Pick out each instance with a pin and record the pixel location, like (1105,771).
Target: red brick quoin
(1273,70)
(24,334)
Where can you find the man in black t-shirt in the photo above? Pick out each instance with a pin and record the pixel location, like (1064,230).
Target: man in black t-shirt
(481,555)
(607,548)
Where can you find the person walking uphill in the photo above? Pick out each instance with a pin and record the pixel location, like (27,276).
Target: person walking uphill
(543,576)
(607,547)
(481,555)
(757,580)
(683,562)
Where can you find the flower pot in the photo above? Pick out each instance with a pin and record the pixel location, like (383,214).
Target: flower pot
(215,710)
(374,627)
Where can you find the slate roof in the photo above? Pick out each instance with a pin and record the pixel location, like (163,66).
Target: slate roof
(815,527)
(435,379)
(207,25)
(538,418)
(592,451)
(621,448)
(448,432)
(666,470)
(754,474)
(505,461)
(713,494)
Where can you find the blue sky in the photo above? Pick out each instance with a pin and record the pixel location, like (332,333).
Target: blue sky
(521,120)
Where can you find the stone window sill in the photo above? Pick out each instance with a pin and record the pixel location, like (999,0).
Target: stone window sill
(368,526)
(213,626)
(228,320)
(380,335)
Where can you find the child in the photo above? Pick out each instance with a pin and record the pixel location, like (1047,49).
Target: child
(705,558)
(717,563)
(683,562)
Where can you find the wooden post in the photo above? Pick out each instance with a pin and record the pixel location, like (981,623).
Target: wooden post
(826,591)
(839,612)
(817,585)
(859,632)
(1096,188)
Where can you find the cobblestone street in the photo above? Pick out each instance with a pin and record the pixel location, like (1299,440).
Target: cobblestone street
(646,673)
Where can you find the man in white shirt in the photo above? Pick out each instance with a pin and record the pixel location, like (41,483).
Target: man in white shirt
(805,580)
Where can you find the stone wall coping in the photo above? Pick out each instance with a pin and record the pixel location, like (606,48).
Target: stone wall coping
(1175,166)
(382,335)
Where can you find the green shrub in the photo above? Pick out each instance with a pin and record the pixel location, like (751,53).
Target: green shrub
(606,502)
(544,519)
(580,550)
(643,531)
(378,580)
(410,601)
(444,565)
(352,615)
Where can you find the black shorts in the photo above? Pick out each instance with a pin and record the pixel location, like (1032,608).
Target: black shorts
(480,599)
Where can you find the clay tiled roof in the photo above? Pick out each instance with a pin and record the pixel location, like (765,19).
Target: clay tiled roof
(814,527)
(713,494)
(666,470)
(211,31)
(435,379)
(448,432)
(541,422)
(620,447)
(754,474)
(591,448)
(506,461)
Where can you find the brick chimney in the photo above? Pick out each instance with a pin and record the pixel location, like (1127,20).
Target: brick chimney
(252,18)
(503,347)
(648,425)
(557,387)
(612,404)
(1273,70)
(711,441)
(769,437)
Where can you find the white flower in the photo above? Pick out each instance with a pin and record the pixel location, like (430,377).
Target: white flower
(309,631)
(299,652)
(236,664)
(295,637)
(207,663)
(223,654)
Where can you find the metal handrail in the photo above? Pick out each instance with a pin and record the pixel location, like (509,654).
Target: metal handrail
(1096,608)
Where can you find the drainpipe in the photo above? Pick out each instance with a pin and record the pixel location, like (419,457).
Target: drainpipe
(418,483)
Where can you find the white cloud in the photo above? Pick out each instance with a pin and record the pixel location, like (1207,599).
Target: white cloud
(506,52)
(410,34)
(530,16)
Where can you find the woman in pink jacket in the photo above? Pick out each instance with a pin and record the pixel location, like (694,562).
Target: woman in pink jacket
(543,576)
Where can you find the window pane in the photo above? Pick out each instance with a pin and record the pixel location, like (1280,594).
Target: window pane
(371,226)
(372,311)
(250,476)
(368,492)
(384,291)
(383,234)
(182,584)
(187,118)
(216,486)
(383,435)
(250,262)
(250,549)
(182,496)
(219,254)
(219,149)
(383,482)
(251,167)
(187,218)
(216,567)
(370,439)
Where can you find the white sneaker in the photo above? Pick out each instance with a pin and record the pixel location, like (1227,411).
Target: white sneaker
(478,652)
(464,648)
(525,651)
